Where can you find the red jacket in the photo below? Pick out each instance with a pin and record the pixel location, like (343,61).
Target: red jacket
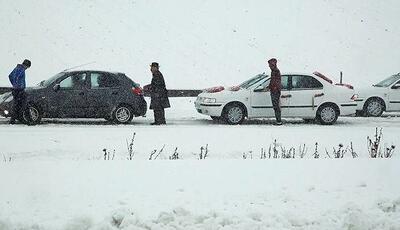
(275,84)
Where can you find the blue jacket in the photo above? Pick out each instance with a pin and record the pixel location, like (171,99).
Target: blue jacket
(17,77)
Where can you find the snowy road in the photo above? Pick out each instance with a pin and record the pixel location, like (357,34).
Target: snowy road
(188,131)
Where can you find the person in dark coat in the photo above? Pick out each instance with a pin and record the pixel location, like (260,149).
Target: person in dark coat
(158,95)
(275,87)
(17,79)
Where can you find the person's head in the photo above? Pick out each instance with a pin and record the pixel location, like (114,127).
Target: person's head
(26,63)
(154,67)
(272,63)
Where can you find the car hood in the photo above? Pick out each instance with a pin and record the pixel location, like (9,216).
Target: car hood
(371,91)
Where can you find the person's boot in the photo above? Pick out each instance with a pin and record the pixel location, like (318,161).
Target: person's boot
(12,121)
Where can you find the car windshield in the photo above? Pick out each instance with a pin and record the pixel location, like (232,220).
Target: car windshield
(252,81)
(48,82)
(388,81)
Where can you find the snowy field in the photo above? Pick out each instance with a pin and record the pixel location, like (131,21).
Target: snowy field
(53,175)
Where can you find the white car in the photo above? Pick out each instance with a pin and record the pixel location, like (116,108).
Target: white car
(384,96)
(307,96)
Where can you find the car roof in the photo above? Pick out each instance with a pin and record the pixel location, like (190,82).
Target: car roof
(79,71)
(297,73)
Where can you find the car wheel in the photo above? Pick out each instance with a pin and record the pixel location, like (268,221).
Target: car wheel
(373,107)
(32,115)
(327,114)
(234,114)
(122,114)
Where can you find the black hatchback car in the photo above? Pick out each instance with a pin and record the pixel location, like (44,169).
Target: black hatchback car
(82,94)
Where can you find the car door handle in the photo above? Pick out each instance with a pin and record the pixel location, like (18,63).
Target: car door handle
(286,96)
(319,95)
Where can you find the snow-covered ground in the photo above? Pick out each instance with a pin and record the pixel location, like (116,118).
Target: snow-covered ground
(53,176)
(187,130)
(57,178)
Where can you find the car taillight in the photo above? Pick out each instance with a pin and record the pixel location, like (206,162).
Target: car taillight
(137,91)
(354,97)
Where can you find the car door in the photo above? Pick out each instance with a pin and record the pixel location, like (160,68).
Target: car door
(394,97)
(68,98)
(103,94)
(306,94)
(261,104)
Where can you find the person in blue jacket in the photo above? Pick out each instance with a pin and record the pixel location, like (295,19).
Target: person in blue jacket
(17,79)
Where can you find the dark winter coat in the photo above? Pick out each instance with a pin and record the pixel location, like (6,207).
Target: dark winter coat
(17,77)
(158,92)
(275,84)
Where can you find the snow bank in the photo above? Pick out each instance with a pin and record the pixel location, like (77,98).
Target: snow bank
(299,194)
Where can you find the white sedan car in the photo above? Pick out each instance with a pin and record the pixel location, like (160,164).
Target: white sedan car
(307,96)
(384,96)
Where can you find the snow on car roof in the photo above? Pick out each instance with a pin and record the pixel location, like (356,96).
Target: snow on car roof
(91,70)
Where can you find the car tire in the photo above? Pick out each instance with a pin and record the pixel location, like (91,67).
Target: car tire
(123,114)
(327,114)
(234,114)
(373,107)
(34,113)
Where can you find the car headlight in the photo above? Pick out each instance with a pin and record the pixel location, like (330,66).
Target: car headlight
(209,100)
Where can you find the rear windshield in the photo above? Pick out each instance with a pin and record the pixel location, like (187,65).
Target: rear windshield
(126,78)
(252,81)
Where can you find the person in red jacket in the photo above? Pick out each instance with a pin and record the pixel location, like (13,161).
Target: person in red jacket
(275,87)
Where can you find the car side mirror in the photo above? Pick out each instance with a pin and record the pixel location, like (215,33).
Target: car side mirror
(56,87)
(396,86)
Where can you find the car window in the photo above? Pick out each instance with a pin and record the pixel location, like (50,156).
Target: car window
(305,82)
(285,82)
(75,81)
(102,80)
(263,84)
(252,81)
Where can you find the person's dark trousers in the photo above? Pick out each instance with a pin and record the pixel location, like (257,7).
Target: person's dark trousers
(275,98)
(159,116)
(18,105)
